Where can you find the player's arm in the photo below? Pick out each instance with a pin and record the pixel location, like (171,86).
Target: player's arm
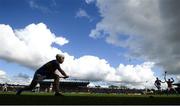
(162,81)
(172,79)
(62,72)
(165,77)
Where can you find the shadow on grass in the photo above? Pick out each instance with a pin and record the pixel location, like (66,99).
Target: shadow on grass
(8,99)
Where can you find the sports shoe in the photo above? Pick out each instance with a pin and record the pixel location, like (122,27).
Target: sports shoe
(58,94)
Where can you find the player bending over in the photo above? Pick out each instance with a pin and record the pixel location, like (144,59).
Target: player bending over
(47,71)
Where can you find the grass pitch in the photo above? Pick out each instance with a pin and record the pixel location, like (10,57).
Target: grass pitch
(29,98)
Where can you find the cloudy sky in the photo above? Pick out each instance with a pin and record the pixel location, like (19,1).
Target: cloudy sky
(128,42)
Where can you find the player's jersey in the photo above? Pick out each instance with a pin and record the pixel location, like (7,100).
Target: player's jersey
(169,84)
(158,82)
(49,68)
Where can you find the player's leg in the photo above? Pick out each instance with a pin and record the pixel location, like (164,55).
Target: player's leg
(175,91)
(31,86)
(56,85)
(28,88)
(169,90)
(159,89)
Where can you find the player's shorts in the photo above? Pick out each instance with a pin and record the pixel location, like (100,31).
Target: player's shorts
(39,77)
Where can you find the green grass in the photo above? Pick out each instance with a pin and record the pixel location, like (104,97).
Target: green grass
(86,98)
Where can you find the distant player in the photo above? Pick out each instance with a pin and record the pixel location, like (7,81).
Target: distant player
(48,71)
(5,87)
(37,88)
(157,83)
(170,84)
(50,88)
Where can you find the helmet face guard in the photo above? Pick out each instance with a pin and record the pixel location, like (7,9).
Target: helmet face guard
(60,58)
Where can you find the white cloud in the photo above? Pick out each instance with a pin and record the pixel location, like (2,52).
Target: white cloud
(61,41)
(88,67)
(137,75)
(17,79)
(82,13)
(20,78)
(3,77)
(34,5)
(50,7)
(89,1)
(132,17)
(32,47)
(2,74)
(29,45)
(150,27)
(94,68)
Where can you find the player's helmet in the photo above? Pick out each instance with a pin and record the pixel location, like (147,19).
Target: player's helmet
(60,58)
